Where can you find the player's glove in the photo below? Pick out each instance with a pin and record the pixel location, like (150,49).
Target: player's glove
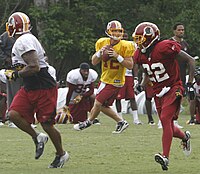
(77,99)
(18,66)
(11,74)
(178,94)
(190,91)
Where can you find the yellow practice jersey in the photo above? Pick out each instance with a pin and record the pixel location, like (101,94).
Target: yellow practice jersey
(112,71)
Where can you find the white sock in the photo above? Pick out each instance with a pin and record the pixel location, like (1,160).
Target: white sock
(159,124)
(175,122)
(120,115)
(135,116)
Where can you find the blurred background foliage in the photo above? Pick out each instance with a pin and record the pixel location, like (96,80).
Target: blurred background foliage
(68,29)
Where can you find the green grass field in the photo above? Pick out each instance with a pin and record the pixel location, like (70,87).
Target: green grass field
(97,151)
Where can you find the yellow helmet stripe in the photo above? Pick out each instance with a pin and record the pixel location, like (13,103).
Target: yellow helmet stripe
(25,22)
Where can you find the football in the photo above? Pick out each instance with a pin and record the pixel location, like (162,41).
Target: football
(105,56)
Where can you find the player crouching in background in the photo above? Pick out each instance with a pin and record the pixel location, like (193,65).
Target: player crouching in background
(80,96)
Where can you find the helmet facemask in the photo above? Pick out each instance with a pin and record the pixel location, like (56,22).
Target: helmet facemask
(10,27)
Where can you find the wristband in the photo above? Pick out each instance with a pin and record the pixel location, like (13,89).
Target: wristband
(98,54)
(120,59)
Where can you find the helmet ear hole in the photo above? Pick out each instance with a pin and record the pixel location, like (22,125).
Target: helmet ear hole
(149,31)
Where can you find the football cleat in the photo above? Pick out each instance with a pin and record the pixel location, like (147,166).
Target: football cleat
(12,125)
(137,122)
(192,121)
(159,125)
(59,161)
(82,125)
(186,144)
(40,141)
(96,122)
(163,161)
(177,125)
(121,126)
(1,123)
(152,123)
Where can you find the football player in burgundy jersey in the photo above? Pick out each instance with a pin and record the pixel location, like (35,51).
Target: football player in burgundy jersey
(39,94)
(159,62)
(112,76)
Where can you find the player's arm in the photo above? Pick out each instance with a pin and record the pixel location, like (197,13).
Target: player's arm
(145,80)
(135,71)
(71,88)
(96,58)
(31,59)
(183,56)
(91,90)
(127,62)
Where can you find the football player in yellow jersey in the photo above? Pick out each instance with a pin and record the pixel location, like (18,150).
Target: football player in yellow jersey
(113,74)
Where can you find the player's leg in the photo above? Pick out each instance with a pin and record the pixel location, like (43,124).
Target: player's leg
(198,110)
(135,112)
(148,105)
(46,112)
(21,113)
(21,123)
(121,95)
(3,108)
(121,124)
(118,107)
(111,113)
(93,114)
(54,134)
(192,107)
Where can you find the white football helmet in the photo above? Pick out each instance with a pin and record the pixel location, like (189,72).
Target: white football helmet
(18,23)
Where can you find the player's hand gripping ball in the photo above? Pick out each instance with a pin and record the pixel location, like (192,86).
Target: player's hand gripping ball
(105,55)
